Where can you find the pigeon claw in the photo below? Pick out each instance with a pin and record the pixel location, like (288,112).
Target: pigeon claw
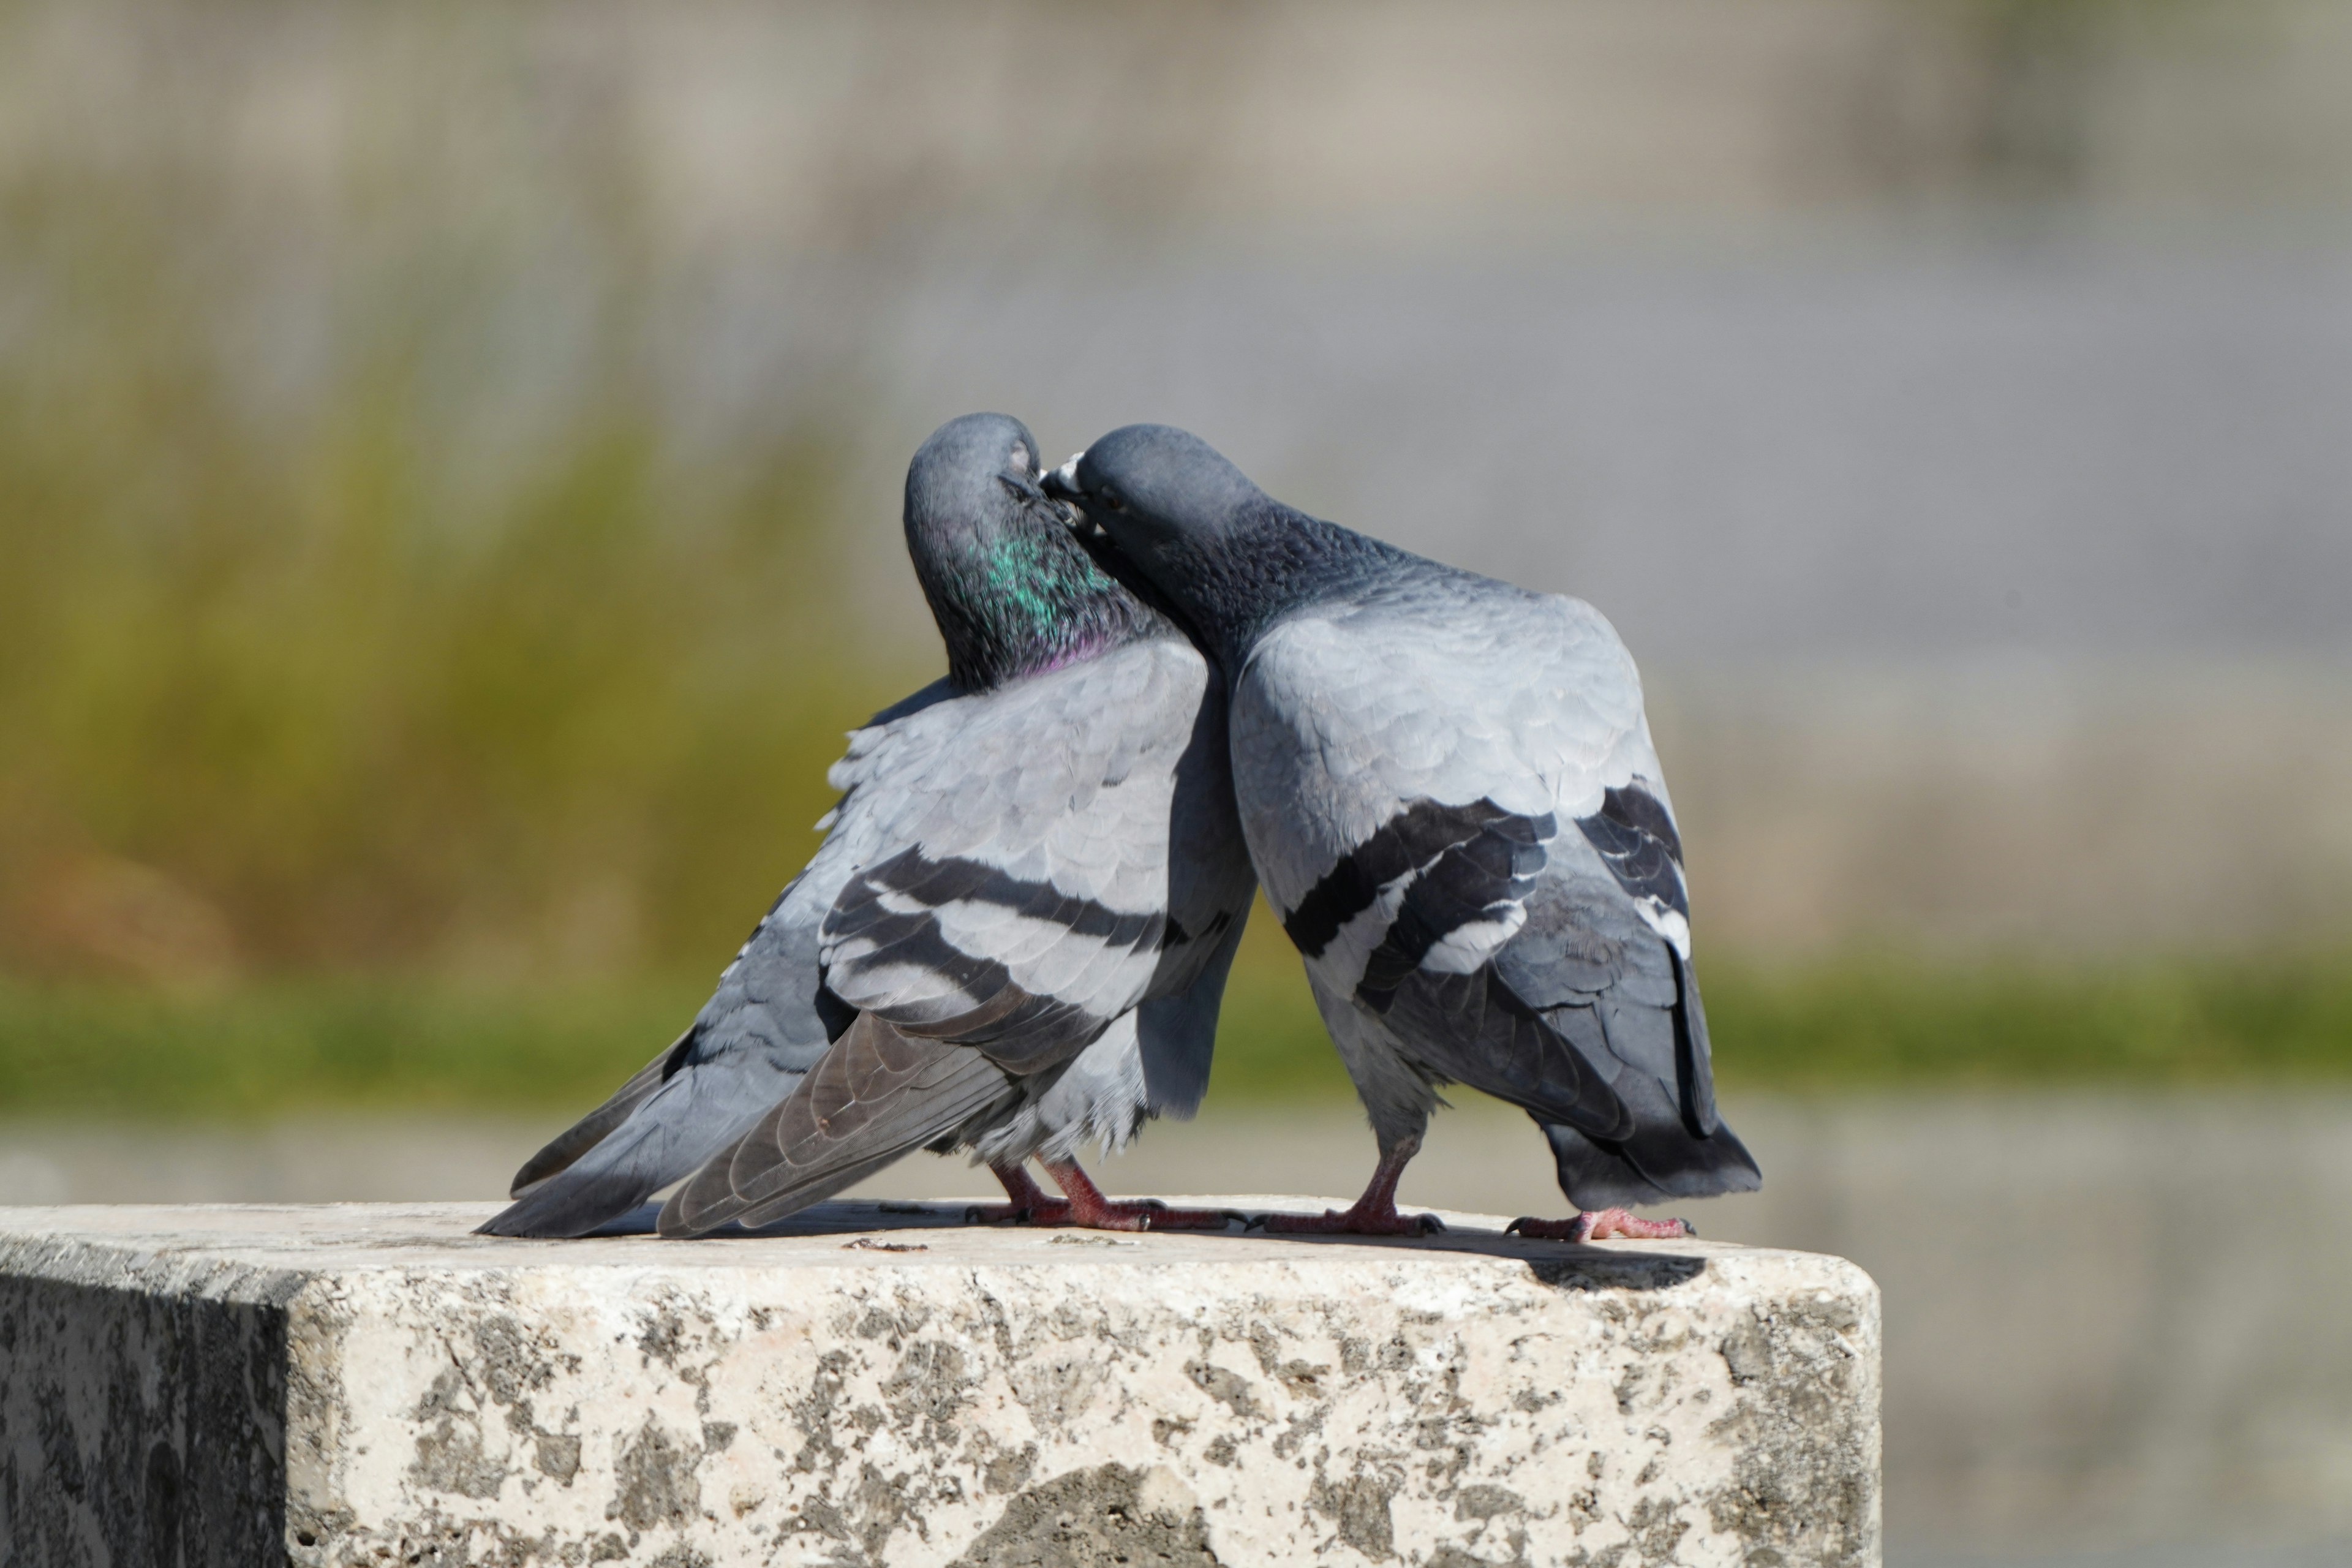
(1374,1213)
(1162,1217)
(1085,1207)
(1600,1225)
(1143,1214)
(1357,1221)
(1149,1214)
(1090,1209)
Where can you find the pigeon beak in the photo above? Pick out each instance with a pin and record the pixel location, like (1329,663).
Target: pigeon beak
(1062,483)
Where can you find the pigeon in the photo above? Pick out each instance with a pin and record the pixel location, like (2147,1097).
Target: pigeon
(1449,791)
(1015,935)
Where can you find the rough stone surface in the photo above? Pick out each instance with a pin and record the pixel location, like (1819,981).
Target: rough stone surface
(876,1384)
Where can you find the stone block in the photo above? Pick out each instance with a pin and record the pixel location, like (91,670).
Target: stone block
(871,1384)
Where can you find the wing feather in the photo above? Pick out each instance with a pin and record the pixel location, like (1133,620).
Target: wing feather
(1010,870)
(877,1096)
(1452,795)
(1027,887)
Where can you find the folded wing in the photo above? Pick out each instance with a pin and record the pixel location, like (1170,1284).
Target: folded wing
(1021,903)
(878,1095)
(1014,907)
(766,1024)
(761,1030)
(1493,871)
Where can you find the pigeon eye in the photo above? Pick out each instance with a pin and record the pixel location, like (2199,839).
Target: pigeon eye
(1109,497)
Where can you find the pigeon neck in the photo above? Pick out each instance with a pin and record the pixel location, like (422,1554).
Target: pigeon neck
(1025,601)
(1275,562)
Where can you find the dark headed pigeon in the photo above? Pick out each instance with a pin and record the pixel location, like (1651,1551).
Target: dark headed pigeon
(1449,791)
(1015,935)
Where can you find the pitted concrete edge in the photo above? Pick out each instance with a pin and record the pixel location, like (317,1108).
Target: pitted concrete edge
(901,1383)
(142,1404)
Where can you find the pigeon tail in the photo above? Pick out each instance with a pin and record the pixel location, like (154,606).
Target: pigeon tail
(1657,1164)
(664,1134)
(583,1199)
(1475,1030)
(1678,1146)
(877,1095)
(584,1134)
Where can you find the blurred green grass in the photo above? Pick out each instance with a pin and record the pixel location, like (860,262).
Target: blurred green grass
(2142,1019)
(401,666)
(1854,1021)
(377,1043)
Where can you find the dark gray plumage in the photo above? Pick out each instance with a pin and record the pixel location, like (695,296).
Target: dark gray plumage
(1017,932)
(1450,793)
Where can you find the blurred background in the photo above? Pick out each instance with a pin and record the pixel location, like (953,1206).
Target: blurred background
(448,516)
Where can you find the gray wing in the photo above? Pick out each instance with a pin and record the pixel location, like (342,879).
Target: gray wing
(1054,885)
(1019,901)
(1210,886)
(1602,978)
(766,1024)
(761,1030)
(1455,804)
(1463,696)
(1176,1035)
(877,1095)
(1155,1059)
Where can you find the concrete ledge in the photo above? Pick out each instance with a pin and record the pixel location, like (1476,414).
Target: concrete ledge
(367,1384)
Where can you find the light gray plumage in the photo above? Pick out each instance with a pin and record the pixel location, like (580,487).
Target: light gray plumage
(1450,792)
(1015,935)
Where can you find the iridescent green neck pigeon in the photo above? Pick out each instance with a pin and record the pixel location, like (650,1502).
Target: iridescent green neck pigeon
(1015,935)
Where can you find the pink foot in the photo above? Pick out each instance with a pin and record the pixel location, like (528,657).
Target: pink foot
(1153,1214)
(1600,1225)
(1085,1207)
(1030,1205)
(1362,1219)
(1374,1213)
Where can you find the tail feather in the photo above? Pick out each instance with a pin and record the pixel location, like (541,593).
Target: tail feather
(590,1130)
(582,1199)
(877,1096)
(698,1111)
(1658,1163)
(1475,1030)
(1678,1146)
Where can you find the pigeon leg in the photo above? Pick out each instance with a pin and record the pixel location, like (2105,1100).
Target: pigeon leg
(1029,1204)
(1085,1207)
(1374,1213)
(1600,1225)
(1088,1207)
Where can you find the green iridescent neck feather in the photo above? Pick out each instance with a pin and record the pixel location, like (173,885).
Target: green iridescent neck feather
(1024,599)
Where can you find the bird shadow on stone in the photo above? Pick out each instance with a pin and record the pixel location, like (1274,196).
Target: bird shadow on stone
(889,1226)
(1562,1263)
(849,1217)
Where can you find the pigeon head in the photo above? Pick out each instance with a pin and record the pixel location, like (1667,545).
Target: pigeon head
(1229,557)
(1014,592)
(1151,487)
